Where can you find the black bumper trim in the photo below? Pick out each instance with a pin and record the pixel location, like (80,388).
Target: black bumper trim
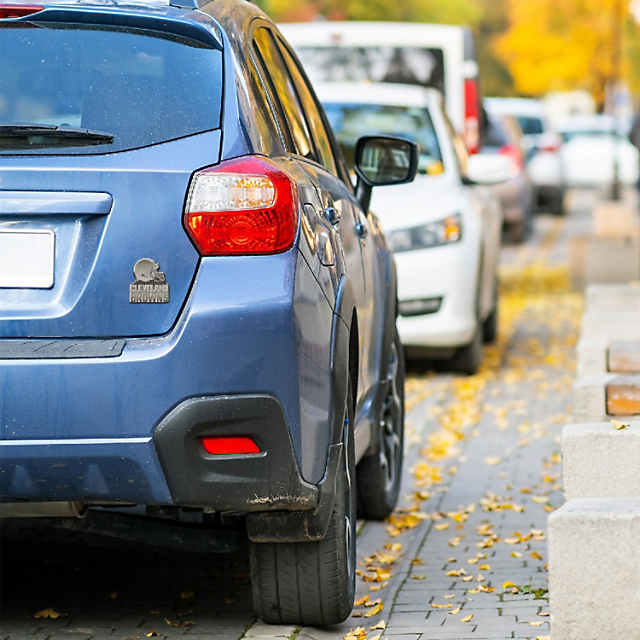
(269,481)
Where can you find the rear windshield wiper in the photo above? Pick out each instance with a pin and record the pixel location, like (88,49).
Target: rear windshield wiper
(86,136)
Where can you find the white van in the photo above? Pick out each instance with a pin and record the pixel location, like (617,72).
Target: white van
(431,55)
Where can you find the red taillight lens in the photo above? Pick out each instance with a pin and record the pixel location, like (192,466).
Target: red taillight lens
(229,445)
(515,154)
(18,10)
(471,116)
(246,206)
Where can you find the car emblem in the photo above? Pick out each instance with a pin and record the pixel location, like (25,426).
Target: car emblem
(150,286)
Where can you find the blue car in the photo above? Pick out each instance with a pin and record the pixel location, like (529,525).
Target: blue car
(197,310)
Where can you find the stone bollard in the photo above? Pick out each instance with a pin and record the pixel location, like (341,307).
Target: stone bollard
(594,582)
(612,297)
(599,397)
(598,461)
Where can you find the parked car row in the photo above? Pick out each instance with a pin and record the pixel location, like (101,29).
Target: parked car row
(205,299)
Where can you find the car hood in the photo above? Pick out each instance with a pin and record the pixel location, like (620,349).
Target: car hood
(428,198)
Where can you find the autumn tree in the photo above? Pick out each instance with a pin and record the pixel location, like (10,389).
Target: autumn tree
(449,12)
(553,45)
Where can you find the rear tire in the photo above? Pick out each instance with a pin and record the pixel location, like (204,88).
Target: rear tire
(469,358)
(380,475)
(312,583)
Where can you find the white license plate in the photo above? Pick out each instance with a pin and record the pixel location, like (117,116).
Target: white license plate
(26,258)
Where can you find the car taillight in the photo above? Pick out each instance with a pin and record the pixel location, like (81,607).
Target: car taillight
(18,10)
(515,154)
(245,206)
(229,445)
(471,116)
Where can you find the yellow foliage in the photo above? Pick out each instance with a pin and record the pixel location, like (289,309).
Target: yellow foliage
(553,45)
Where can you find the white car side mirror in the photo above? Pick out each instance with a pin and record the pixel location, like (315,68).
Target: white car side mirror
(490,168)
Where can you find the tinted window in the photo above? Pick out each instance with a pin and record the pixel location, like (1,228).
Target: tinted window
(314,119)
(494,134)
(351,121)
(530,125)
(285,91)
(141,87)
(409,65)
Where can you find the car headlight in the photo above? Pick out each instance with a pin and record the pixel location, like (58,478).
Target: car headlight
(445,231)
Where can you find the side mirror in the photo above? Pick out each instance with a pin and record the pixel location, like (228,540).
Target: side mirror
(489,168)
(381,161)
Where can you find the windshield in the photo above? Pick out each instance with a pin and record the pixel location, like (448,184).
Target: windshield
(351,121)
(139,87)
(408,65)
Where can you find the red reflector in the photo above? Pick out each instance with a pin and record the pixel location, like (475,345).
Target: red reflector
(18,10)
(229,445)
(245,206)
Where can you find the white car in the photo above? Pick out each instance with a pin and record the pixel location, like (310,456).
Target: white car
(541,147)
(445,232)
(591,143)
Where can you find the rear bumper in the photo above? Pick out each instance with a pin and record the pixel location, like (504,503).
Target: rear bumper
(123,429)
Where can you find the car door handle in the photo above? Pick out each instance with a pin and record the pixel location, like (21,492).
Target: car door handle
(332,215)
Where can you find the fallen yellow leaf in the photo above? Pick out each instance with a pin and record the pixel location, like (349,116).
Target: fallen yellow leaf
(374,611)
(50,614)
(468,618)
(619,426)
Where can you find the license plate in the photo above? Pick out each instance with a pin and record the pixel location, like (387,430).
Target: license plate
(26,258)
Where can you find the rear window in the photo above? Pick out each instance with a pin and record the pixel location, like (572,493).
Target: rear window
(530,125)
(139,86)
(409,65)
(351,121)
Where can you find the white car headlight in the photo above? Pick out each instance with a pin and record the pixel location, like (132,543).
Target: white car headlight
(434,234)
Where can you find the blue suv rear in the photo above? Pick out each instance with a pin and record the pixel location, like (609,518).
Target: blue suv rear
(197,310)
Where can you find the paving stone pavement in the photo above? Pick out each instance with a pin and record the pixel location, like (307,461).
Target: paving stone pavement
(509,423)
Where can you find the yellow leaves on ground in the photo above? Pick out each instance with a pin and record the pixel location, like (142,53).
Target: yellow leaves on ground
(375,610)
(468,618)
(619,426)
(491,461)
(48,614)
(359,633)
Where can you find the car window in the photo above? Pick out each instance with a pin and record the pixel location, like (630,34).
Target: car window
(350,121)
(141,87)
(314,118)
(285,91)
(530,125)
(494,133)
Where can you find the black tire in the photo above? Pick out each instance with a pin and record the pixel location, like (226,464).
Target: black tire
(312,583)
(490,325)
(380,475)
(469,358)
(517,232)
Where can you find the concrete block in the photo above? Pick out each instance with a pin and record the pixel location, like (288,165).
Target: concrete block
(612,297)
(598,461)
(594,576)
(615,220)
(623,356)
(610,325)
(589,398)
(611,260)
(591,357)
